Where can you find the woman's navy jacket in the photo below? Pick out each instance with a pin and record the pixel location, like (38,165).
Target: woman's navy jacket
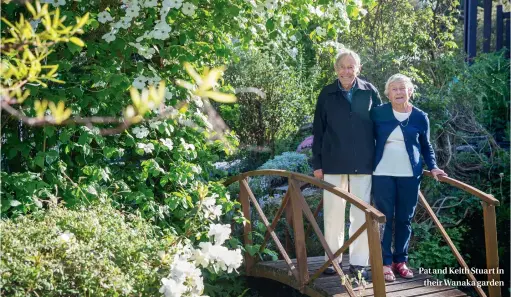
(415,132)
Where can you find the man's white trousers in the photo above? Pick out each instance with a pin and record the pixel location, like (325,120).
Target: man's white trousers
(334,209)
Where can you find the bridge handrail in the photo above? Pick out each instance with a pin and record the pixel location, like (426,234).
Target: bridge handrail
(362,205)
(488,198)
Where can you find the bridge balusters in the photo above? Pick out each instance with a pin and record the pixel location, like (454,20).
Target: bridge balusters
(292,268)
(283,205)
(297,197)
(449,242)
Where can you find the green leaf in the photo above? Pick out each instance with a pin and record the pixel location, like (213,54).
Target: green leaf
(352,11)
(85,138)
(252,249)
(73,48)
(64,136)
(13,152)
(270,25)
(117,79)
(49,130)
(39,159)
(233,10)
(87,150)
(183,38)
(51,156)
(109,151)
(94,24)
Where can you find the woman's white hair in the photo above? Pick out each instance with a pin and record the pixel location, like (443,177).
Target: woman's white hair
(399,78)
(343,53)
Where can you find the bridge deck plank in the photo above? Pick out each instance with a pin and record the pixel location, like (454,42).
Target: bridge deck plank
(327,285)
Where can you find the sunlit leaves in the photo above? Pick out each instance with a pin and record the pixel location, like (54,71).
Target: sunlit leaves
(144,101)
(205,84)
(23,49)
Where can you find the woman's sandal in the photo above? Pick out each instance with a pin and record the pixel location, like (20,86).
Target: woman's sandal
(388,275)
(402,270)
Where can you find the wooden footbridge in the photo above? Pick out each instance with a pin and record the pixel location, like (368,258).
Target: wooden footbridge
(306,273)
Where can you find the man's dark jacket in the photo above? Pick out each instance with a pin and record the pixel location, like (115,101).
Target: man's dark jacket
(343,132)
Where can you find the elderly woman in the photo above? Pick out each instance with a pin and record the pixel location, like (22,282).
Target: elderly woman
(402,135)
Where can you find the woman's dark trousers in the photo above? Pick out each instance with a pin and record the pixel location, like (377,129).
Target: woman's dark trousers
(396,198)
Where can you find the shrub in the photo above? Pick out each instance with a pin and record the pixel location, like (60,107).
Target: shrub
(94,251)
(289,161)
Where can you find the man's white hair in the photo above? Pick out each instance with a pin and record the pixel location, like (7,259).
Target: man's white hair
(343,53)
(399,78)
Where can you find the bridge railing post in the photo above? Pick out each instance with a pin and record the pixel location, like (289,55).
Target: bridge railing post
(299,234)
(247,228)
(375,258)
(492,251)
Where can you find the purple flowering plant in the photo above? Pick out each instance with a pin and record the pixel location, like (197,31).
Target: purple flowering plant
(305,144)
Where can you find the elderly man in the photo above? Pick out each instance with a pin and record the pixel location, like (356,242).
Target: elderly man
(343,152)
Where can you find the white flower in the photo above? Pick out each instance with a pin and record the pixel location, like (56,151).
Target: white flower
(342,11)
(125,22)
(104,17)
(133,11)
(320,31)
(155,124)
(117,25)
(211,210)
(222,258)
(150,3)
(196,169)
(140,132)
(147,147)
(187,146)
(293,52)
(139,82)
(189,9)
(143,50)
(219,232)
(271,4)
(168,95)
(171,288)
(181,269)
(315,10)
(161,30)
(66,236)
(110,36)
(167,142)
(34,24)
(201,258)
(292,38)
(155,80)
(172,3)
(260,9)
